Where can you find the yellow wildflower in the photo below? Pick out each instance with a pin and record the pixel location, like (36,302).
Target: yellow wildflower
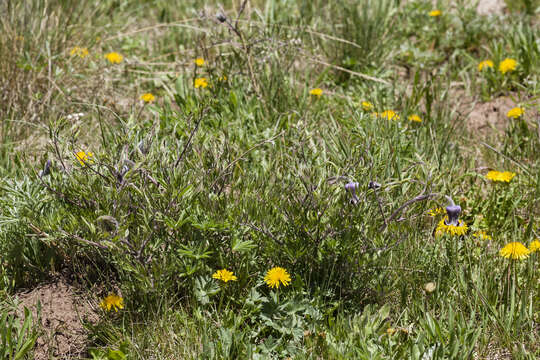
(515,251)
(201,82)
(436,211)
(507,65)
(112,301)
(80,52)
(367,106)
(316,92)
(391,331)
(444,228)
(276,276)
(505,176)
(535,246)
(148,97)
(224,275)
(114,58)
(84,157)
(415,118)
(481,234)
(435,13)
(390,115)
(515,112)
(199,61)
(485,64)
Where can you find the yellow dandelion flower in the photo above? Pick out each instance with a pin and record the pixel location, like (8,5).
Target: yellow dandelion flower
(481,234)
(276,276)
(435,13)
(201,82)
(415,118)
(224,275)
(390,331)
(515,251)
(507,65)
(84,157)
(436,211)
(316,92)
(444,228)
(498,176)
(80,52)
(389,114)
(367,106)
(112,301)
(148,97)
(485,64)
(535,246)
(199,61)
(515,112)
(114,57)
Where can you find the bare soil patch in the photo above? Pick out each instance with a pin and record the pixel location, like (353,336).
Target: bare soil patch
(487,7)
(489,117)
(62,315)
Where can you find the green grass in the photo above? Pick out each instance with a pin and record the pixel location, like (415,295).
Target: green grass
(249,173)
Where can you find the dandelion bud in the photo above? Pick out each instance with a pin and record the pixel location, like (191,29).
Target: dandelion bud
(351,188)
(221,18)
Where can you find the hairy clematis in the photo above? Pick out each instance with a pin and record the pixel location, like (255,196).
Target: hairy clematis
(451,224)
(351,188)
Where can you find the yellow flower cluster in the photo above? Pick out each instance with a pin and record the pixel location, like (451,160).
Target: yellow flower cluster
(443,228)
(535,246)
(79,51)
(515,112)
(316,92)
(415,118)
(435,13)
(515,251)
(507,65)
(84,157)
(498,176)
(388,114)
(367,106)
(112,301)
(199,61)
(481,234)
(276,276)
(485,65)
(224,275)
(114,57)
(201,82)
(436,211)
(148,97)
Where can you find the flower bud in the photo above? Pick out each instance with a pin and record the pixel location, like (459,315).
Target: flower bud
(351,188)
(221,18)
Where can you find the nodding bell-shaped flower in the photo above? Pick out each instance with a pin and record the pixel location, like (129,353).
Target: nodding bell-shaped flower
(46,170)
(351,188)
(453,212)
(451,224)
(221,18)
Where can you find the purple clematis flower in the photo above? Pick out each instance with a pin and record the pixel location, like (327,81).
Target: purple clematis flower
(351,188)
(453,212)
